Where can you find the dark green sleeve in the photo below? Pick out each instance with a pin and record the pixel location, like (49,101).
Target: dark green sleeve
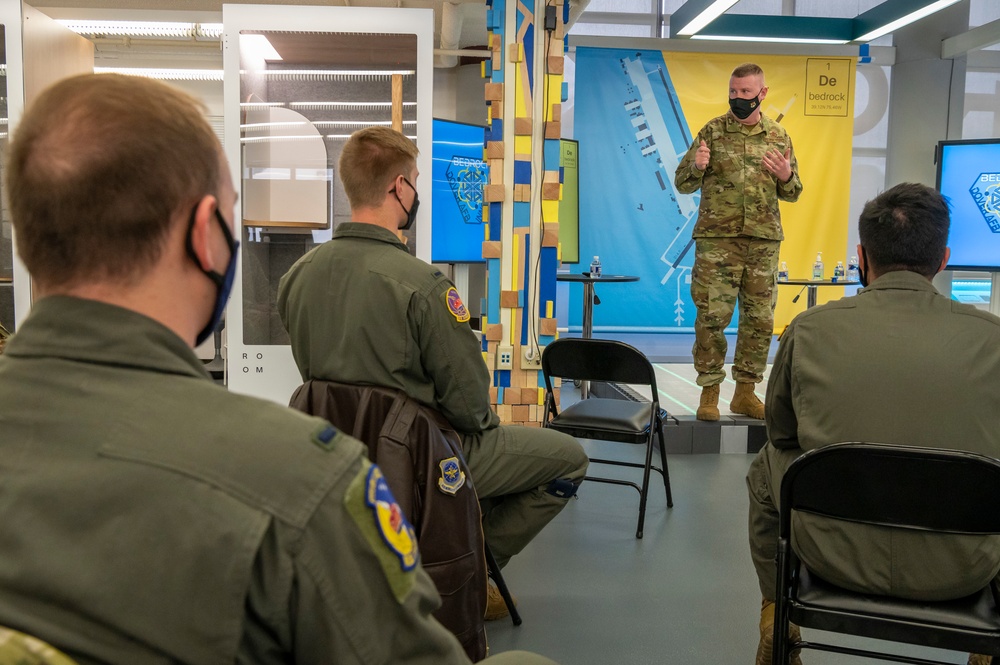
(791,190)
(782,423)
(452,357)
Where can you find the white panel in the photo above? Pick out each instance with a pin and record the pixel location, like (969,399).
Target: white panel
(268,371)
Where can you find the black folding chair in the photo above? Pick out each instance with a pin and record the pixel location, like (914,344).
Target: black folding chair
(608,419)
(906,487)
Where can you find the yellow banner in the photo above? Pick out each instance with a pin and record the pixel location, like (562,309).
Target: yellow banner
(813,99)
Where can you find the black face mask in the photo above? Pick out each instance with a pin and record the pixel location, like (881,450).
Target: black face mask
(224,282)
(743,108)
(411,214)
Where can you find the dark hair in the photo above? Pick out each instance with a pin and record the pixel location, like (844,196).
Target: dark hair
(905,228)
(99,169)
(748,69)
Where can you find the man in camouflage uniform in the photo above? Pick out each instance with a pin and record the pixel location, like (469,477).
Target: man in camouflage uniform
(743,163)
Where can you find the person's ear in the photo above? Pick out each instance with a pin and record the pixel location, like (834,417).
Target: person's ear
(862,262)
(944,261)
(201,232)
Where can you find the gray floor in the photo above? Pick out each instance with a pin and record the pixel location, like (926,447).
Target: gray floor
(685,594)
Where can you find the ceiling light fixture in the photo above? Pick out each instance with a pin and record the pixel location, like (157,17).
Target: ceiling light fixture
(694,15)
(769,40)
(165,74)
(892,15)
(131,28)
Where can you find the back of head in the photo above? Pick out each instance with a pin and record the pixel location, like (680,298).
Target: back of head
(98,168)
(370,160)
(905,228)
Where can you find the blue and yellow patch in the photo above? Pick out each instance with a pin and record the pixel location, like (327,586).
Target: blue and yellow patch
(455,305)
(452,477)
(389,519)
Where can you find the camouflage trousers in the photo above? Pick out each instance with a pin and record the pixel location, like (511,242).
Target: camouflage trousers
(727,270)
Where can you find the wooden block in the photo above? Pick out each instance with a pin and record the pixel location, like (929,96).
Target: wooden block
(520,413)
(492,250)
(522,193)
(557,113)
(529,396)
(494,393)
(533,414)
(547,327)
(497,62)
(494,150)
(503,410)
(522,126)
(494,332)
(550,176)
(494,92)
(493,193)
(515,53)
(551,191)
(508,299)
(496,165)
(511,395)
(553,130)
(496,110)
(556,64)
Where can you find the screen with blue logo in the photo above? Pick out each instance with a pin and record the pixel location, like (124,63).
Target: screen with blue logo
(969,177)
(458,175)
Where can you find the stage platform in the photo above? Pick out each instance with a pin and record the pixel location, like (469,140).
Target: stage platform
(680,393)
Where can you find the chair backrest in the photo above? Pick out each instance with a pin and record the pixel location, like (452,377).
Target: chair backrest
(581,359)
(925,489)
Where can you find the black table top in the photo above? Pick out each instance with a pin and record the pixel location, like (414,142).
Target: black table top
(585,277)
(819,282)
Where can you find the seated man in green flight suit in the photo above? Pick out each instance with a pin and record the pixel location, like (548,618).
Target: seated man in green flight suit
(361,310)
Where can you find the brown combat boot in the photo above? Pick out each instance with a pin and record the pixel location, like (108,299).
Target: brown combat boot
(496,608)
(767,635)
(708,409)
(745,402)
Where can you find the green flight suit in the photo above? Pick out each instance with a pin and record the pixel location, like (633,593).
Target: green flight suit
(150,516)
(737,239)
(361,310)
(897,363)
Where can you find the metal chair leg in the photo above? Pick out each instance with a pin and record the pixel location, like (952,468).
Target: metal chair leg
(645,483)
(666,471)
(493,570)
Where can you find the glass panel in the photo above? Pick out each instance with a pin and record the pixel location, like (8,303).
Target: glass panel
(6,243)
(303,94)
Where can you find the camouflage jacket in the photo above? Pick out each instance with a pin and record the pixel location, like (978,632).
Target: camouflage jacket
(739,197)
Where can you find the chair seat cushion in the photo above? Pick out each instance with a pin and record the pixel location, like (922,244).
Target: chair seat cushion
(977,612)
(606,414)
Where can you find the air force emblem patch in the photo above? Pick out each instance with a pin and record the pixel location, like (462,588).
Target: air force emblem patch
(452,477)
(389,519)
(456,306)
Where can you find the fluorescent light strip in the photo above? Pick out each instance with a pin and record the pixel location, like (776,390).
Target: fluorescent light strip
(335,137)
(165,74)
(905,20)
(213,30)
(365,123)
(260,105)
(709,14)
(131,28)
(261,125)
(773,40)
(337,72)
(347,104)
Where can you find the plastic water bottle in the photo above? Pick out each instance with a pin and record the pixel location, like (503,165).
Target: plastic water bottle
(818,267)
(838,272)
(595,267)
(853,273)
(783,272)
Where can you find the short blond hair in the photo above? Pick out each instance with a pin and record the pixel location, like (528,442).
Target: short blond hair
(748,69)
(98,168)
(370,160)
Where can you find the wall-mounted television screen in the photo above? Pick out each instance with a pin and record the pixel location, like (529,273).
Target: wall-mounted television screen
(968,175)
(458,175)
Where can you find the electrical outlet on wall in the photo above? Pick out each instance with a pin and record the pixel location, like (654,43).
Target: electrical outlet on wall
(505,357)
(531,358)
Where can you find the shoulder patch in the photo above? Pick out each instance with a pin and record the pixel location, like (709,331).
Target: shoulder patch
(452,477)
(374,510)
(455,305)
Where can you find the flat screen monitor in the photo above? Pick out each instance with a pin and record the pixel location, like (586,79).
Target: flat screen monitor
(968,175)
(458,176)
